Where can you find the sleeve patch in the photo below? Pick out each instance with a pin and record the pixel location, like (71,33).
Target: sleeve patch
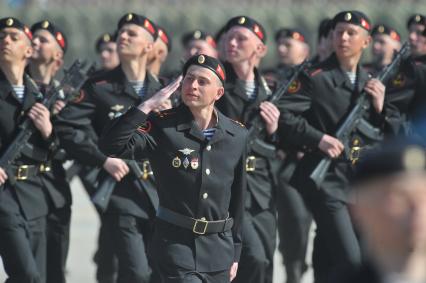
(145,127)
(78,98)
(294,86)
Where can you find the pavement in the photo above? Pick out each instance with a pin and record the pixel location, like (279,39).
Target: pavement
(83,238)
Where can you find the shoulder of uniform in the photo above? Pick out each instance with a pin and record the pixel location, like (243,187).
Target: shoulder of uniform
(237,123)
(314,72)
(101,77)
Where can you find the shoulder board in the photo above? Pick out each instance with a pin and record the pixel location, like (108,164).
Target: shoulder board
(165,113)
(238,123)
(315,72)
(265,85)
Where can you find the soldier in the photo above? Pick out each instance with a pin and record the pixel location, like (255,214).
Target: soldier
(106,48)
(49,47)
(389,196)
(198,155)
(198,42)
(162,48)
(416,24)
(105,96)
(311,114)
(325,41)
(245,92)
(24,203)
(386,41)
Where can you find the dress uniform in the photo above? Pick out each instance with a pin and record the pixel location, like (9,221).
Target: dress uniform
(24,201)
(201,185)
(259,225)
(59,217)
(317,105)
(133,202)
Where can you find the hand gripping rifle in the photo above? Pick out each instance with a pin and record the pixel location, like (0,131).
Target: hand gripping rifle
(354,119)
(73,80)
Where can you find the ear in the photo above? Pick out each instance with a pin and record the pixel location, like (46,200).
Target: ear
(28,52)
(367,41)
(261,49)
(149,47)
(219,93)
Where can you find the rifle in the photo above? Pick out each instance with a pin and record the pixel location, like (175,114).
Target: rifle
(354,119)
(257,124)
(73,80)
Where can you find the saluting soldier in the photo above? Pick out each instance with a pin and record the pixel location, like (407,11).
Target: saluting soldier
(311,114)
(198,42)
(245,92)
(105,96)
(49,47)
(24,202)
(198,156)
(106,48)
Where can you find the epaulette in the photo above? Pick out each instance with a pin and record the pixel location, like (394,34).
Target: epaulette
(315,72)
(166,113)
(238,123)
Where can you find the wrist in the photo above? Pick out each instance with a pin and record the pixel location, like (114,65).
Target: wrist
(145,107)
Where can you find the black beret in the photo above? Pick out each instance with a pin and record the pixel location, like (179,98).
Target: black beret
(291,33)
(324,28)
(15,23)
(208,62)
(393,157)
(164,36)
(416,19)
(384,29)
(105,38)
(147,24)
(198,35)
(54,30)
(352,17)
(249,23)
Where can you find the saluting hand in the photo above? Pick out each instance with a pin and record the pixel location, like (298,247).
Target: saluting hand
(233,271)
(376,89)
(116,167)
(167,104)
(3,176)
(331,146)
(160,97)
(40,116)
(270,115)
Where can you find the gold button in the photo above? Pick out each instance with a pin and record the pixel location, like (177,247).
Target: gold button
(208,171)
(22,113)
(203,218)
(205,195)
(209,147)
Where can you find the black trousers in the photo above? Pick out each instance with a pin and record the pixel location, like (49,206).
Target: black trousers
(294,222)
(170,274)
(259,239)
(58,238)
(336,246)
(129,236)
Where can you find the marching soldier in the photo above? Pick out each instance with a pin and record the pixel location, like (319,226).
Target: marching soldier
(106,48)
(158,55)
(416,24)
(24,203)
(105,96)
(245,92)
(198,42)
(311,114)
(49,47)
(325,41)
(198,155)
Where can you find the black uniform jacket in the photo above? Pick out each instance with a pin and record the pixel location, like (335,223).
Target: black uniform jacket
(236,105)
(195,177)
(317,104)
(31,193)
(104,97)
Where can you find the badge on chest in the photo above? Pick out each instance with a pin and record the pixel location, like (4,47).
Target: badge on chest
(186,159)
(116,111)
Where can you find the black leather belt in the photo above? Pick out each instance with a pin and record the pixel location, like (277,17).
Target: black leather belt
(253,163)
(198,226)
(23,172)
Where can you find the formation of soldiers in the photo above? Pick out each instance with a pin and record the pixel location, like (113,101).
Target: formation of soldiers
(205,198)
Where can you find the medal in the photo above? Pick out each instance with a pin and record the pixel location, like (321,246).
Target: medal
(176,162)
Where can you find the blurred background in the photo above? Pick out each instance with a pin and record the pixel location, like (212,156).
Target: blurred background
(85,20)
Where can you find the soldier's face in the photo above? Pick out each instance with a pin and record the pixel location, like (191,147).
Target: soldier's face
(45,47)
(291,51)
(349,40)
(391,214)
(414,32)
(133,41)
(108,55)
(15,46)
(241,45)
(384,47)
(196,47)
(201,87)
(325,45)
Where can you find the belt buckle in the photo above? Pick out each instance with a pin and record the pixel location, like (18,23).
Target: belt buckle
(44,168)
(146,169)
(22,172)
(196,231)
(251,163)
(354,156)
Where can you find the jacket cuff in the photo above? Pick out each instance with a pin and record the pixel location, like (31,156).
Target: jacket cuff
(237,252)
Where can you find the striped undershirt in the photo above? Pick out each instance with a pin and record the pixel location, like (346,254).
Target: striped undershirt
(139,87)
(251,89)
(352,77)
(19,91)
(209,133)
